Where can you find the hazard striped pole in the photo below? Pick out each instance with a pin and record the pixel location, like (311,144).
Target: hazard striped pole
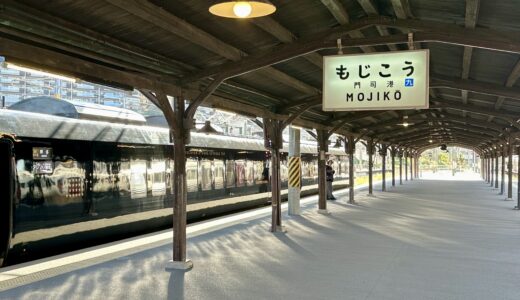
(294,171)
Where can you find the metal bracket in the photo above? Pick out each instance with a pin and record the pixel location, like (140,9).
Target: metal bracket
(340,47)
(411,45)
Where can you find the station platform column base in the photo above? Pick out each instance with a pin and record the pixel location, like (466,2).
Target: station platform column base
(516,208)
(508,199)
(279,229)
(324,212)
(179,265)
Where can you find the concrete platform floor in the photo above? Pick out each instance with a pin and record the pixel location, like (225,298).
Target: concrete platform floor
(439,238)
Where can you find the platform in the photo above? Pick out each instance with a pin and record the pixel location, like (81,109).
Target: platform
(425,239)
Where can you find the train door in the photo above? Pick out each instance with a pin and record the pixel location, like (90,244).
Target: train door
(7,187)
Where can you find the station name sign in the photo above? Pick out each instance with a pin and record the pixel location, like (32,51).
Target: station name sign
(376,81)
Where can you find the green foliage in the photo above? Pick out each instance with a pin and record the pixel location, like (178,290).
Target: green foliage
(444,160)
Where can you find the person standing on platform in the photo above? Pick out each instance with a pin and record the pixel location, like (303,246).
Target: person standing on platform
(330,178)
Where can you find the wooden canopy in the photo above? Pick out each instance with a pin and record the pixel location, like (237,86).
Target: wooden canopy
(272,66)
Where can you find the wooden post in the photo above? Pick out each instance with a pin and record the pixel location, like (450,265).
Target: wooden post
(496,170)
(370,152)
(405,165)
(401,167)
(492,162)
(489,168)
(510,171)
(503,171)
(518,179)
(273,142)
(411,165)
(180,122)
(323,146)
(392,153)
(351,147)
(382,152)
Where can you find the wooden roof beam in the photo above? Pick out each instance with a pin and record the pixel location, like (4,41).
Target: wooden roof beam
(470,121)
(283,34)
(76,67)
(341,15)
(472,7)
(475,86)
(171,23)
(437,32)
(510,82)
(371,9)
(403,11)
(441,103)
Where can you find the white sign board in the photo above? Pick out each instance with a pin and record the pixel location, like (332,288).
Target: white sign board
(376,81)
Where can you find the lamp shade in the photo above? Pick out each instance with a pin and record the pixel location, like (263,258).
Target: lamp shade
(242,9)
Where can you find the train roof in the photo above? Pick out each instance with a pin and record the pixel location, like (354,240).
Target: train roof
(78,110)
(35,125)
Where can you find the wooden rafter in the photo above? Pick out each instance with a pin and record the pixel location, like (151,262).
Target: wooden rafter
(171,23)
(371,9)
(273,27)
(472,7)
(341,15)
(510,82)
(475,86)
(437,32)
(441,103)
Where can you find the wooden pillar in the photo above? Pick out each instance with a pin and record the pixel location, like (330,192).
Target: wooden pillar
(351,147)
(382,152)
(392,154)
(496,170)
(510,171)
(518,179)
(180,123)
(323,146)
(400,167)
(370,152)
(482,167)
(503,171)
(406,166)
(411,165)
(487,169)
(273,142)
(492,161)
(417,171)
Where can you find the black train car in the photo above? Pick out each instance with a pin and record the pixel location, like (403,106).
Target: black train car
(66,181)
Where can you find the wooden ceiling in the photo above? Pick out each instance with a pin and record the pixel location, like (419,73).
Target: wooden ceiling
(271,66)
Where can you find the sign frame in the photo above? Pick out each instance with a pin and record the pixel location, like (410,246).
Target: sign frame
(390,107)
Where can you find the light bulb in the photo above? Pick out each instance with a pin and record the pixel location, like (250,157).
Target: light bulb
(405,124)
(242,9)
(430,141)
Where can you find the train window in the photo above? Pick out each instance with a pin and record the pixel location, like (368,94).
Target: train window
(249,173)
(218,174)
(230,173)
(259,172)
(124,179)
(206,176)
(102,180)
(158,178)
(240,171)
(42,167)
(283,170)
(138,179)
(192,174)
(169,175)
(69,180)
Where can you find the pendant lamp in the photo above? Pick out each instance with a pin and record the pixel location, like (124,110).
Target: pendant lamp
(242,9)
